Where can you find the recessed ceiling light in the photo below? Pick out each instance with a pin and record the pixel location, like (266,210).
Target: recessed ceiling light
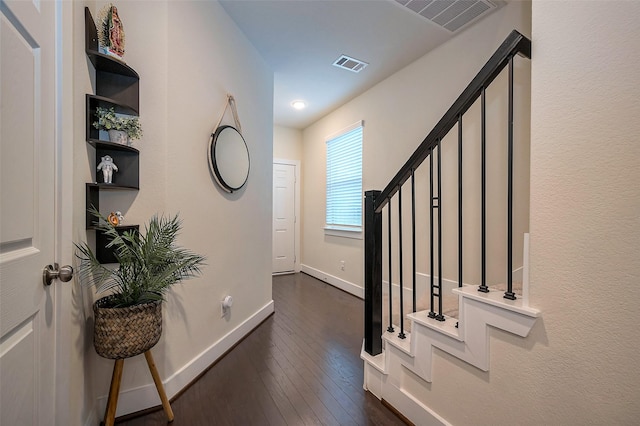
(299,104)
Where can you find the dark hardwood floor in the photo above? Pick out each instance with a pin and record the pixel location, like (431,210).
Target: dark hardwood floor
(301,366)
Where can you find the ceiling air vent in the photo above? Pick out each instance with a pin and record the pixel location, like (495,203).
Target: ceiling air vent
(349,63)
(450,14)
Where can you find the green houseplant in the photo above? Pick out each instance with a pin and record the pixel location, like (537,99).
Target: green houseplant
(122,129)
(129,320)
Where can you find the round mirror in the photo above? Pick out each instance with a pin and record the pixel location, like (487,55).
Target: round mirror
(229,158)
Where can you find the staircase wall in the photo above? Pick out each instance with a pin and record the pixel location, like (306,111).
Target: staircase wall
(585,215)
(578,365)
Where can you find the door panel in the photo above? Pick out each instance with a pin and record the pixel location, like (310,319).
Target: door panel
(18,124)
(27,179)
(19,347)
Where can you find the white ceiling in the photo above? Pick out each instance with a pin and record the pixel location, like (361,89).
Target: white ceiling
(300,40)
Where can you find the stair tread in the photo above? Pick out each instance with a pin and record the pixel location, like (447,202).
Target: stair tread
(449,303)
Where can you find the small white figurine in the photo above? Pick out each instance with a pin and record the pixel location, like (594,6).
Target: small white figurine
(108,167)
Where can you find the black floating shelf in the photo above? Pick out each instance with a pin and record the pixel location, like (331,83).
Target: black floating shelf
(119,228)
(98,143)
(104,102)
(117,85)
(106,63)
(112,187)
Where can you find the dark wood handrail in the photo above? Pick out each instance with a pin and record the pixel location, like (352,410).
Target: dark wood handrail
(514,44)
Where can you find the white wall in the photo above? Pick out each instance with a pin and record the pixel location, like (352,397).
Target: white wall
(233,231)
(287,143)
(189,55)
(398,113)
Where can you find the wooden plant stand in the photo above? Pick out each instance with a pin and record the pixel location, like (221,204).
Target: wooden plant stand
(112,402)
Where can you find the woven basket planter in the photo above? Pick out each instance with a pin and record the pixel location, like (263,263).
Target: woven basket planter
(126,332)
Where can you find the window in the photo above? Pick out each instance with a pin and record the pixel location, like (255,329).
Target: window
(344,183)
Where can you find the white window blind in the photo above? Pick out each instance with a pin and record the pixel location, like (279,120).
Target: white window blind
(344,180)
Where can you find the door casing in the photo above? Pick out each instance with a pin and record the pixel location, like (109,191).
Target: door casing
(295,163)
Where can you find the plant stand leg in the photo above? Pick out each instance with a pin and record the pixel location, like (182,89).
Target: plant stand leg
(112,402)
(159,386)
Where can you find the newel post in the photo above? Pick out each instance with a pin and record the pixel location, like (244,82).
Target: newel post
(372,275)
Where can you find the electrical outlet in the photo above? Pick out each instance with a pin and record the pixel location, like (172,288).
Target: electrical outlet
(342,265)
(225,306)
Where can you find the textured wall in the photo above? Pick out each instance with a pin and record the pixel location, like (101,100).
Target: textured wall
(585,211)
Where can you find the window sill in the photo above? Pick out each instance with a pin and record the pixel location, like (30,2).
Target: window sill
(344,232)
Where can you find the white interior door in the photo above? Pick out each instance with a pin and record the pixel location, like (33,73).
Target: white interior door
(284,248)
(27,160)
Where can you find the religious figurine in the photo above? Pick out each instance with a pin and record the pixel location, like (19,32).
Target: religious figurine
(111,33)
(108,167)
(116,33)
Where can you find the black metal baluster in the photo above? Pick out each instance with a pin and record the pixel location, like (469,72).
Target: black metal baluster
(460,200)
(509,293)
(432,313)
(413,233)
(483,129)
(439,317)
(390,329)
(401,335)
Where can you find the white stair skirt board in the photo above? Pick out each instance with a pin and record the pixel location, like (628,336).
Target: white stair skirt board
(383,375)
(141,398)
(343,285)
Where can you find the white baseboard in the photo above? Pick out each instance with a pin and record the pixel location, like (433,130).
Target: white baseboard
(412,408)
(141,398)
(422,281)
(92,418)
(347,286)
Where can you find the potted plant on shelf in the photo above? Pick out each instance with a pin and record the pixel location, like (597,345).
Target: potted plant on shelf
(128,322)
(122,129)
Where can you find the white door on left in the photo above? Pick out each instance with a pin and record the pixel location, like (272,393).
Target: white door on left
(27,189)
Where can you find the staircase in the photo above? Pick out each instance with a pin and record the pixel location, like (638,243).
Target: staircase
(448,314)
(387,374)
